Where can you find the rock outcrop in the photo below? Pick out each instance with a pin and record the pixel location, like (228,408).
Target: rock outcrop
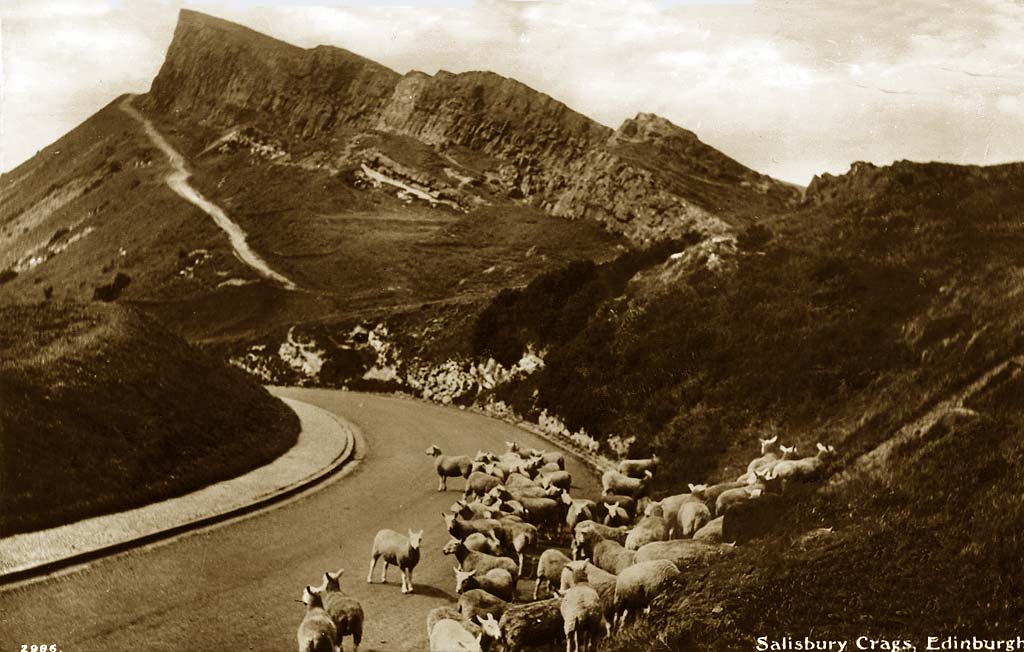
(648,180)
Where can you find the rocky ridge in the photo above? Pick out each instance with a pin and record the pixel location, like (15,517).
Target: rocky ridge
(648,180)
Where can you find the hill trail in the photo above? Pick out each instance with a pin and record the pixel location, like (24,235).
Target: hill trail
(177,180)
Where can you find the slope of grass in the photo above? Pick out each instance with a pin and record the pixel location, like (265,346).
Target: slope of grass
(103,410)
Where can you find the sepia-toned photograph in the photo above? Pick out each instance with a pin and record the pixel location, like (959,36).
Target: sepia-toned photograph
(511,325)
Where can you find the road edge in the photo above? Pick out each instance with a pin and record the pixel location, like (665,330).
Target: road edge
(352,451)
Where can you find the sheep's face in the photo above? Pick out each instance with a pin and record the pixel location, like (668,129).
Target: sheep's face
(451,547)
(825,451)
(788,452)
(513,446)
(489,626)
(415,538)
(654,509)
(433,451)
(767,444)
(462,580)
(449,520)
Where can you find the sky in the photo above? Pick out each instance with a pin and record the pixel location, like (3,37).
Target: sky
(789,88)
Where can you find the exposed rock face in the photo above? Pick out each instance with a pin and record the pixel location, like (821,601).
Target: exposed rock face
(649,179)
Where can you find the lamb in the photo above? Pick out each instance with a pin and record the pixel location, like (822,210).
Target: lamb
(479,483)
(806,468)
(650,527)
(637,468)
(470,560)
(711,532)
(627,503)
(345,611)
(692,516)
(582,614)
(710,494)
(449,466)
(477,602)
(399,550)
(472,509)
(497,581)
(614,482)
(555,458)
(317,632)
(729,499)
(766,463)
(636,586)
(768,454)
(614,533)
(532,624)
(549,570)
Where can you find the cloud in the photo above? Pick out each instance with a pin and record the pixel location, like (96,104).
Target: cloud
(790,88)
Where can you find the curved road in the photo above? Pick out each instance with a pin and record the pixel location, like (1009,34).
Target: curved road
(234,586)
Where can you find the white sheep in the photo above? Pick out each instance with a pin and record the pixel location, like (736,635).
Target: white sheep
(618,534)
(614,482)
(449,466)
(670,504)
(766,463)
(637,468)
(461,528)
(711,532)
(582,615)
(692,516)
(344,610)
(449,631)
(496,581)
(615,515)
(637,585)
(681,552)
(651,527)
(582,509)
(470,560)
(579,571)
(517,535)
(805,468)
(605,553)
(560,479)
(399,550)
(317,632)
(549,570)
(479,483)
(480,542)
(473,509)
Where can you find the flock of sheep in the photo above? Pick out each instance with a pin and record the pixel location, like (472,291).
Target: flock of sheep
(625,548)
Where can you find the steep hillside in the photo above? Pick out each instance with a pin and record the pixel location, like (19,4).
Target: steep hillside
(102,410)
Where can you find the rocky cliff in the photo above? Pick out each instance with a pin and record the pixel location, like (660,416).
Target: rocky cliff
(648,180)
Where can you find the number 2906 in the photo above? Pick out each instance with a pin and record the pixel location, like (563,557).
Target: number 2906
(52,647)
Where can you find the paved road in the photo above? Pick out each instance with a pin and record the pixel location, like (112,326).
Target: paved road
(232,587)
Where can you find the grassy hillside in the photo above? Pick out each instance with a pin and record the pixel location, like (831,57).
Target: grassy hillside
(886,320)
(101,410)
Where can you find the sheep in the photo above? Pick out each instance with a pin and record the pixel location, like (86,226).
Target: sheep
(472,509)
(729,499)
(515,480)
(477,602)
(517,535)
(615,515)
(710,494)
(461,528)
(532,624)
(766,463)
(637,585)
(650,527)
(805,468)
(583,571)
(578,510)
(549,569)
(637,468)
(711,532)
(479,483)
(496,581)
(480,561)
(555,458)
(605,553)
(450,631)
(535,491)
(582,613)
(399,550)
(485,457)
(681,552)
(542,511)
(345,611)
(547,468)
(614,482)
(449,466)
(317,632)
(560,479)
(692,516)
(670,504)
(627,503)
(618,534)
(768,454)
(480,542)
